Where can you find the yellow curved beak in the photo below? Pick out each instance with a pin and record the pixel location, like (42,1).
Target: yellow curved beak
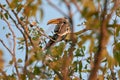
(55,21)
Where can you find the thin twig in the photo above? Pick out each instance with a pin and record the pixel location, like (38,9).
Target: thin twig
(14,46)
(6,47)
(56,8)
(43,34)
(22,24)
(25,37)
(69,9)
(81,31)
(13,34)
(113,74)
(77,6)
(59,75)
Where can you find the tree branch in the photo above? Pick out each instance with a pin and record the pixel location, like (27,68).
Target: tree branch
(6,47)
(77,6)
(25,37)
(104,37)
(22,24)
(14,46)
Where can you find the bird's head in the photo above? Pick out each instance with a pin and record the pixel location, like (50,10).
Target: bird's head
(63,26)
(59,21)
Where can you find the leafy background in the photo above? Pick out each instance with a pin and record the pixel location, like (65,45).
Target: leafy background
(24,33)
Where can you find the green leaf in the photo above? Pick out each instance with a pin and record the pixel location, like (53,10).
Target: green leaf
(41,14)
(58,50)
(21,48)
(117,56)
(118,31)
(118,12)
(77,52)
(88,60)
(7,35)
(75,65)
(82,51)
(19,61)
(1,16)
(86,66)
(6,15)
(19,7)
(3,27)
(36,70)
(80,66)
(11,62)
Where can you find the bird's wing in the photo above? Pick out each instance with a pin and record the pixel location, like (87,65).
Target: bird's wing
(51,42)
(64,30)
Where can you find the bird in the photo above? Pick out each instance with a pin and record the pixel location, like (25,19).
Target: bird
(62,28)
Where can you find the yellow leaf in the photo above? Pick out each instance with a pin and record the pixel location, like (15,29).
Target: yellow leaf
(91,45)
(89,4)
(1,60)
(111,61)
(100,77)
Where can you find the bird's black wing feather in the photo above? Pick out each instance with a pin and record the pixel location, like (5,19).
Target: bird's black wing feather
(51,42)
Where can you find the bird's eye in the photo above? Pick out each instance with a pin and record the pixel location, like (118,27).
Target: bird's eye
(64,22)
(67,29)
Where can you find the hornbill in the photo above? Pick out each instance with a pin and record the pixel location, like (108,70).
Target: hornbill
(62,28)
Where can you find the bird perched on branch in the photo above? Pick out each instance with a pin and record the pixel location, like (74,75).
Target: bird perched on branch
(62,28)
